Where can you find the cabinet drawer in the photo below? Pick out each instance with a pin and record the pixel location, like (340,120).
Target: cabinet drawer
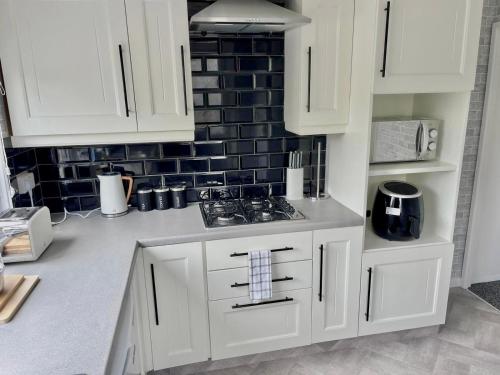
(237,330)
(286,276)
(232,253)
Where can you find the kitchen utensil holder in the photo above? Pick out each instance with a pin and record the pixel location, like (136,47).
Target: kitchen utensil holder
(294,183)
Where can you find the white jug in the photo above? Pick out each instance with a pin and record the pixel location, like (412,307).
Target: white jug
(113,200)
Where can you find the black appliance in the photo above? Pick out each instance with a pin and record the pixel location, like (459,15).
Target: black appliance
(398,211)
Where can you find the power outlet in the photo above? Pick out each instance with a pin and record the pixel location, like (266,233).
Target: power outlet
(25,182)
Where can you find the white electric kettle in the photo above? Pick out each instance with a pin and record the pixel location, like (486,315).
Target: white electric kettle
(113,200)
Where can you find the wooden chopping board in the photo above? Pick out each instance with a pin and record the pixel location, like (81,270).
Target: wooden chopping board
(16,300)
(11,283)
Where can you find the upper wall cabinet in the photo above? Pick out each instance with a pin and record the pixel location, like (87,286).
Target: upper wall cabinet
(427,45)
(161,63)
(318,67)
(72,78)
(63,63)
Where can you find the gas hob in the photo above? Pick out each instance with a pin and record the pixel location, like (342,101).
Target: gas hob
(229,212)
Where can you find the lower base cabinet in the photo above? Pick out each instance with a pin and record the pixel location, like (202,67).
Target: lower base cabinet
(176,299)
(236,329)
(404,288)
(336,272)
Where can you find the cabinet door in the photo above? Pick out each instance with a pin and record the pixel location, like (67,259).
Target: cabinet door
(404,288)
(62,66)
(318,67)
(239,328)
(336,271)
(431,45)
(159,44)
(177,304)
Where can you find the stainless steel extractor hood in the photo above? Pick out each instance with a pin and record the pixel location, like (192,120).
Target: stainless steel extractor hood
(246,16)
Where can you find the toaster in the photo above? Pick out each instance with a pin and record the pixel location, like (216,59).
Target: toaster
(25,233)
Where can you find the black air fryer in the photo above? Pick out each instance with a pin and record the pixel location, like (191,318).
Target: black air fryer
(398,211)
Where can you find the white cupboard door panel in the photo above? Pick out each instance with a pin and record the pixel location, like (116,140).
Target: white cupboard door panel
(232,283)
(231,253)
(318,67)
(429,45)
(159,43)
(335,314)
(409,288)
(247,330)
(62,66)
(330,38)
(177,304)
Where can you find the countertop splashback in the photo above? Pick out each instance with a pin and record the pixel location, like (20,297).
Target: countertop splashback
(240,140)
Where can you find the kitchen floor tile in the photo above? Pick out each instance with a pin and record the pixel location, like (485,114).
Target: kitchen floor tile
(466,345)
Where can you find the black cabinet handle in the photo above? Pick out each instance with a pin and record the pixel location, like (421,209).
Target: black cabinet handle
(368,295)
(386,37)
(238,306)
(155,302)
(272,251)
(320,294)
(124,82)
(237,285)
(184,81)
(309,58)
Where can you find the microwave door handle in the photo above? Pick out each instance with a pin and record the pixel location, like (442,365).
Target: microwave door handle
(418,142)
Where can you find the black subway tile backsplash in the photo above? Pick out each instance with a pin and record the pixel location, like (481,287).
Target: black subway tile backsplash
(209,149)
(160,166)
(193,165)
(254,161)
(224,163)
(240,143)
(143,151)
(240,147)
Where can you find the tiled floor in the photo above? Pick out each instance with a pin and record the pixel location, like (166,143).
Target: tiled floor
(469,343)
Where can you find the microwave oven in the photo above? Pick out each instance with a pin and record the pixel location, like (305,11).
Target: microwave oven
(398,140)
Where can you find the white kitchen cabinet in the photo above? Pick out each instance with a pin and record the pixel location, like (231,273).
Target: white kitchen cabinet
(68,71)
(404,288)
(336,270)
(62,67)
(426,45)
(177,304)
(318,67)
(238,327)
(161,63)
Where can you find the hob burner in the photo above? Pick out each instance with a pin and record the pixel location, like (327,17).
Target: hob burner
(248,211)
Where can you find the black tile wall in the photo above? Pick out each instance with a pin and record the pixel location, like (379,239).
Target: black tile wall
(240,145)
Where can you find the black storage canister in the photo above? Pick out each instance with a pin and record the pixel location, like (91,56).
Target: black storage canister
(179,196)
(398,211)
(145,198)
(161,194)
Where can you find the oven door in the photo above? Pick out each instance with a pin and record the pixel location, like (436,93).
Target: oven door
(393,141)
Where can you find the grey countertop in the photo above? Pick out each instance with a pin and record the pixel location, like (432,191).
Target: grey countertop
(67,324)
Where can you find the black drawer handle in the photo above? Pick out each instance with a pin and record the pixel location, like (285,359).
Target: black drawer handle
(155,302)
(286,278)
(272,251)
(124,82)
(368,295)
(238,306)
(386,37)
(184,81)
(309,58)
(320,294)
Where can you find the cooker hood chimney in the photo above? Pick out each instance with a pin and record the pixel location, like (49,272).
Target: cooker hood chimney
(246,16)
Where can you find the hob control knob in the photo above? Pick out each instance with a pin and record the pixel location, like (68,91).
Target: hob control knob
(432,146)
(433,133)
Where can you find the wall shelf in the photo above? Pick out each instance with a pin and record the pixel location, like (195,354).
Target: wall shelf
(376,243)
(390,169)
